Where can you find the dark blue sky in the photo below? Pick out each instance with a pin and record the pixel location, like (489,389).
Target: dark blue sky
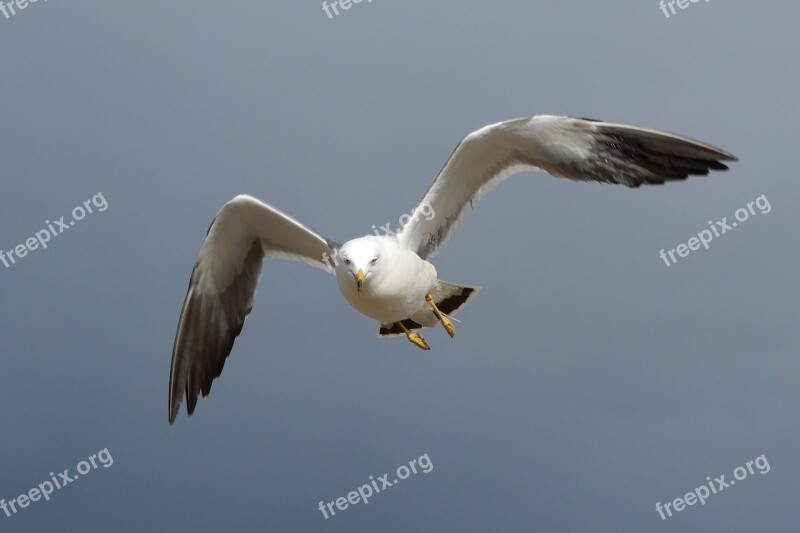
(587,381)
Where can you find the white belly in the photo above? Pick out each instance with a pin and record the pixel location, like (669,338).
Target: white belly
(395,294)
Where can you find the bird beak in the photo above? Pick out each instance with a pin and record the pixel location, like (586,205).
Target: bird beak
(359,276)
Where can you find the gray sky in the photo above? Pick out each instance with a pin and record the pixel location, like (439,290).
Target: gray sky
(587,381)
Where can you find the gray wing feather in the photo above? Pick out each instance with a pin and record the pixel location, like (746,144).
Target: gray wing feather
(574,148)
(223,285)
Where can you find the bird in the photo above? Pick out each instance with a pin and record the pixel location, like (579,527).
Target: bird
(389,278)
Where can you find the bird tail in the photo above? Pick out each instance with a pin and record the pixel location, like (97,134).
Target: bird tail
(449,298)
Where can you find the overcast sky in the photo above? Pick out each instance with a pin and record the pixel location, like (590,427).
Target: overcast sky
(586,383)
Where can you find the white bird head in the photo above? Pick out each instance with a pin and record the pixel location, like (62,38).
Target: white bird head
(361,259)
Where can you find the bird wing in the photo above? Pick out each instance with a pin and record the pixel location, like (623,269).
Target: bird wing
(574,148)
(223,285)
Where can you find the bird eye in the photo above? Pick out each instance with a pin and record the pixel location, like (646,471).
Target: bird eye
(375,260)
(346,261)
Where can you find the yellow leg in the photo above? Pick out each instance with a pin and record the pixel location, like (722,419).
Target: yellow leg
(448,326)
(415,338)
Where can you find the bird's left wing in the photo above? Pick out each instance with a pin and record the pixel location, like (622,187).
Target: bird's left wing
(579,149)
(223,285)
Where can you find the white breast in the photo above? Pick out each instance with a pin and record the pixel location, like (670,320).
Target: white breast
(397,292)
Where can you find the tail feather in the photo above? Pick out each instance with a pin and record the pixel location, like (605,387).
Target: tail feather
(449,298)
(453,297)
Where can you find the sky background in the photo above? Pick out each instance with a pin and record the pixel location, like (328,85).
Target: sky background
(586,382)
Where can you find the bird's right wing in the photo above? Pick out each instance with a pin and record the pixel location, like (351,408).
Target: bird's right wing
(574,148)
(223,285)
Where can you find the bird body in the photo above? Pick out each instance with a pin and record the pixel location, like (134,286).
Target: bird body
(396,283)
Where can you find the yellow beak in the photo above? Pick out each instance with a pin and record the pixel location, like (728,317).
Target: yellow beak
(359,276)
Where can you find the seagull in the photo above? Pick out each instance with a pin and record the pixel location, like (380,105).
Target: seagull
(388,277)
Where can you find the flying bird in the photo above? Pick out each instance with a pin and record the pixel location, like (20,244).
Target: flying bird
(388,277)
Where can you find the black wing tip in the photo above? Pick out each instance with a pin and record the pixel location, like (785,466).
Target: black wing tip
(713,152)
(174,408)
(174,400)
(661,164)
(192,396)
(722,155)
